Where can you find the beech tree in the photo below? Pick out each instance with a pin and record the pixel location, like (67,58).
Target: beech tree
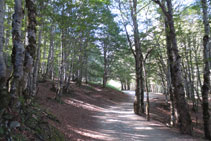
(139,98)
(2,63)
(17,54)
(146,44)
(175,69)
(206,86)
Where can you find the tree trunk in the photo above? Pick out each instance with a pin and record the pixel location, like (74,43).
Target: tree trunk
(37,62)
(169,90)
(50,62)
(139,97)
(80,69)
(44,69)
(206,86)
(185,122)
(147,92)
(30,53)
(2,63)
(105,66)
(17,55)
(128,85)
(61,70)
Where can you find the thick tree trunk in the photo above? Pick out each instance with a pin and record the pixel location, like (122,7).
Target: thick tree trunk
(30,53)
(169,90)
(17,54)
(139,97)
(185,122)
(206,86)
(205,90)
(2,63)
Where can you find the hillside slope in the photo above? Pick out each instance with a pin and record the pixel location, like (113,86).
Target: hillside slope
(90,113)
(76,113)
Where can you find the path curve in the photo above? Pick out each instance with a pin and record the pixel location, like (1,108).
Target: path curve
(119,123)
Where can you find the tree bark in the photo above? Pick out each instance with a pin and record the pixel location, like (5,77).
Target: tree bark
(50,55)
(44,68)
(147,91)
(139,97)
(206,86)
(185,122)
(32,46)
(37,63)
(61,69)
(2,63)
(17,54)
(179,94)
(105,65)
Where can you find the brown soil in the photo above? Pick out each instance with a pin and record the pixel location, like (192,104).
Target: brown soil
(160,111)
(76,114)
(80,111)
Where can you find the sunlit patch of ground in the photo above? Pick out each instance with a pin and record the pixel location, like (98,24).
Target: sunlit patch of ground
(81,104)
(76,114)
(92,113)
(90,133)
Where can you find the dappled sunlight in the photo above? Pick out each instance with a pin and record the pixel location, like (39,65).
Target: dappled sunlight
(119,112)
(120,122)
(144,128)
(155,124)
(97,89)
(81,104)
(90,133)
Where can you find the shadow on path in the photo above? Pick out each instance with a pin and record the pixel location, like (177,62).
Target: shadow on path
(119,123)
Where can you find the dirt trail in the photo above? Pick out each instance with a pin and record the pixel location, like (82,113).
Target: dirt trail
(91,113)
(119,123)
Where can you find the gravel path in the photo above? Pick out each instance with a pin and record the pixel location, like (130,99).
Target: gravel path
(119,123)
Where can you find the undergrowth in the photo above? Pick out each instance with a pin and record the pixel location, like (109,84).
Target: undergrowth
(30,124)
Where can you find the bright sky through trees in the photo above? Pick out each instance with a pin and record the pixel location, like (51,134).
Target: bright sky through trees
(145,14)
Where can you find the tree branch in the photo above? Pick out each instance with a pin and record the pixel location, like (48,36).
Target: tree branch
(162,7)
(127,34)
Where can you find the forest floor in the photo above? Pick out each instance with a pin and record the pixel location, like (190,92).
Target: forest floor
(93,113)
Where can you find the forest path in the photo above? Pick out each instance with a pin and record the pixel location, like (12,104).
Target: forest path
(119,123)
(93,113)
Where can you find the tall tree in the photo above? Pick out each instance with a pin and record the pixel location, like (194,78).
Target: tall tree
(206,86)
(139,96)
(30,53)
(2,63)
(139,62)
(17,54)
(185,122)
